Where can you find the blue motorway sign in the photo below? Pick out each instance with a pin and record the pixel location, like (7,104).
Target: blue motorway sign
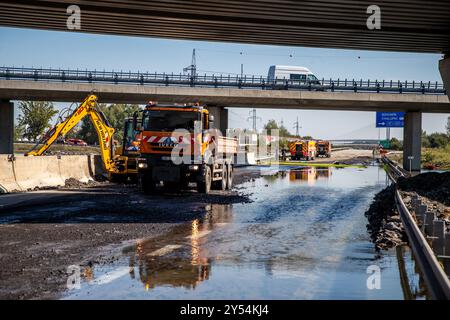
(390,119)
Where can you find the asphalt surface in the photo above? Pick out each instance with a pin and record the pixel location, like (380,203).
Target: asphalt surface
(42,233)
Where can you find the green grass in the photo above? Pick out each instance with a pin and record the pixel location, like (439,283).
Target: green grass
(438,158)
(312,164)
(432,158)
(25,147)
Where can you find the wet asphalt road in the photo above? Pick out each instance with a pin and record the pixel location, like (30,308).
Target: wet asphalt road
(299,233)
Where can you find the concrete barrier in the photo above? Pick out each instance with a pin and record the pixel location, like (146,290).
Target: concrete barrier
(32,172)
(26,173)
(77,168)
(251,159)
(7,178)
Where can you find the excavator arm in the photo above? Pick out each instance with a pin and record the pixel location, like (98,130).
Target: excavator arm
(62,128)
(105,135)
(104,131)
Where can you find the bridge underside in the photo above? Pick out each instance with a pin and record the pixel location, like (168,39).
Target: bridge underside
(414,25)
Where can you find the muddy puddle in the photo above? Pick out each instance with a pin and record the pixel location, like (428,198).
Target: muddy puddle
(303,236)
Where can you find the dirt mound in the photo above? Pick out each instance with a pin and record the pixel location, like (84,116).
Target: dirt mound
(433,185)
(385,226)
(72,183)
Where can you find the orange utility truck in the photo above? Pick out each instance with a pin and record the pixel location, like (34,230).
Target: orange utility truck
(323,148)
(302,149)
(179,146)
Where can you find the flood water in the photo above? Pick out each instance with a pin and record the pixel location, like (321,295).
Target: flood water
(303,237)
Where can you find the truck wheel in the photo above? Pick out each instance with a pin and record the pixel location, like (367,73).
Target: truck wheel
(224,181)
(146,184)
(230,177)
(204,185)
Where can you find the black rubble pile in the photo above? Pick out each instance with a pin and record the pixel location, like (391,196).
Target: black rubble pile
(385,226)
(433,185)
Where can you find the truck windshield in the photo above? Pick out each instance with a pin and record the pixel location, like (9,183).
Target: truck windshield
(169,120)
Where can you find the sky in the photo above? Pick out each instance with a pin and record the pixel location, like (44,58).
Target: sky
(56,49)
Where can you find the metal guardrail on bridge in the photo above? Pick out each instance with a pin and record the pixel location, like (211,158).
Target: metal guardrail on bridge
(435,278)
(219,81)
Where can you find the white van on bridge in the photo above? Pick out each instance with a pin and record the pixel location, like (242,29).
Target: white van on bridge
(295,75)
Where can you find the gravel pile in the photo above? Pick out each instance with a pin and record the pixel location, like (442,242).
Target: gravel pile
(385,226)
(442,211)
(73,183)
(433,185)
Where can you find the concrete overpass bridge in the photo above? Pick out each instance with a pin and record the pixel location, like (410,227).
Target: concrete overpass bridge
(411,26)
(413,98)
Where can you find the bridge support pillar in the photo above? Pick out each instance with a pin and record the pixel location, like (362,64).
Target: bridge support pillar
(444,69)
(6,127)
(412,141)
(220,118)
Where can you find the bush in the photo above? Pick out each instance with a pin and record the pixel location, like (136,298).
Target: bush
(395,144)
(435,140)
(439,140)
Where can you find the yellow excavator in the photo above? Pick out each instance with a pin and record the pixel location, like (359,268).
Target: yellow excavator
(119,165)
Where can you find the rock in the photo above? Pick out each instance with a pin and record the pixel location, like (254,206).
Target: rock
(393,226)
(385,226)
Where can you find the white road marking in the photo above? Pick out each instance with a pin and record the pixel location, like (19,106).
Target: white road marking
(164,250)
(111,276)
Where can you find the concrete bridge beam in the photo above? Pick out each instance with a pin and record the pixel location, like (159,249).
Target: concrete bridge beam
(220,118)
(444,69)
(412,141)
(6,127)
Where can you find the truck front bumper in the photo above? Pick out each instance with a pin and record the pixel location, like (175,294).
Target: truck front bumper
(167,171)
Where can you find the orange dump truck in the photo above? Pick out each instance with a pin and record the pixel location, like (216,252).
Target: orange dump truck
(323,148)
(179,146)
(303,149)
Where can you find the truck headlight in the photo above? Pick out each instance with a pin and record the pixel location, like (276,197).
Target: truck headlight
(193,167)
(142,165)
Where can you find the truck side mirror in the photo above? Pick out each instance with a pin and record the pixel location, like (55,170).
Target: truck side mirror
(210,118)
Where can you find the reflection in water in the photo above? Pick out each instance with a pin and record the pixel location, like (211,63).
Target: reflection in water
(412,282)
(303,237)
(309,174)
(184,262)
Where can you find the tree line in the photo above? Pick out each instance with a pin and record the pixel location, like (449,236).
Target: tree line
(283,133)
(436,140)
(36,116)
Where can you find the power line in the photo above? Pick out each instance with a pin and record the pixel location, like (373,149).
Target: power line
(357,56)
(297,128)
(192,69)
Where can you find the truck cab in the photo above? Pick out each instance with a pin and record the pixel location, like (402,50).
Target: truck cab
(323,148)
(303,149)
(178,146)
(126,155)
